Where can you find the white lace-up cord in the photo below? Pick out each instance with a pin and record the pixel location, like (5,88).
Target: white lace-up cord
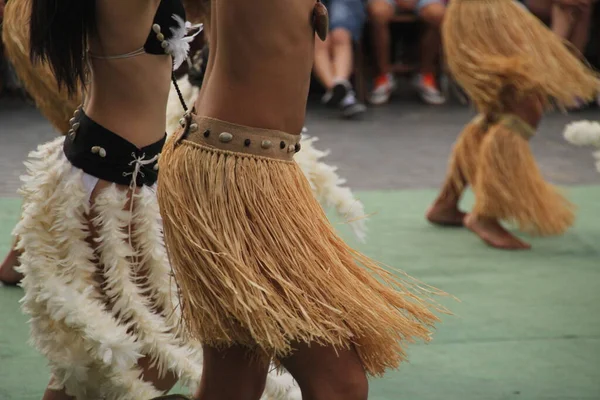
(139,162)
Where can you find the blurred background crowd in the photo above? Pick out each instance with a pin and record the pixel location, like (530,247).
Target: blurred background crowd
(376,46)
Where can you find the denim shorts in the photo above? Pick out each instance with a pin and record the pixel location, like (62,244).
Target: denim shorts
(420,3)
(346,14)
(424,3)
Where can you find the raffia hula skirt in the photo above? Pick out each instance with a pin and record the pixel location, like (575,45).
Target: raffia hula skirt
(256,260)
(493,155)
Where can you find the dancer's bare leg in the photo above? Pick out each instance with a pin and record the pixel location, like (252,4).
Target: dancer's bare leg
(231,374)
(321,372)
(51,394)
(489,229)
(324,373)
(444,210)
(8,275)
(494,234)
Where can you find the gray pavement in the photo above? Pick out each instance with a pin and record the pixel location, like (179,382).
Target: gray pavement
(401,145)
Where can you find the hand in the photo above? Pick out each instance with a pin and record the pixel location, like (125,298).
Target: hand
(407,4)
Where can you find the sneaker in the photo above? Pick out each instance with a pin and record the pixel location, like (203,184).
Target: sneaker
(350,107)
(428,90)
(334,96)
(384,86)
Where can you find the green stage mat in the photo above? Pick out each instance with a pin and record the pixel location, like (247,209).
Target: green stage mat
(527,325)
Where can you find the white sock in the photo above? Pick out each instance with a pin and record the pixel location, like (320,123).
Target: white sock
(349,99)
(342,81)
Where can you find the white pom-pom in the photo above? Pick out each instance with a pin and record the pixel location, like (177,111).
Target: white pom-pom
(583,133)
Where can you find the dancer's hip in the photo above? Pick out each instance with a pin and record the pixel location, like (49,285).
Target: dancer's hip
(239,139)
(104,154)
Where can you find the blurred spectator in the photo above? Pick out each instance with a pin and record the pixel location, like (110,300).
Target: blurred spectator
(2,60)
(569,19)
(334,57)
(431,12)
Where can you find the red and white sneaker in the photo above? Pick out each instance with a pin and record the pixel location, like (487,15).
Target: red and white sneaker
(384,87)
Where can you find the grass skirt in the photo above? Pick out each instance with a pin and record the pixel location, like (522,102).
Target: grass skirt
(494,45)
(496,160)
(259,265)
(38,80)
(328,187)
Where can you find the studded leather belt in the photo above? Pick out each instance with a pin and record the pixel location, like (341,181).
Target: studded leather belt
(227,136)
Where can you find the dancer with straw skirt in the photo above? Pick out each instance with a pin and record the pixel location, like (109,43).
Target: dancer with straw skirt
(262,274)
(322,177)
(513,68)
(56,105)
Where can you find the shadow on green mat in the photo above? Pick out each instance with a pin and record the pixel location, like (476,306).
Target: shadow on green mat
(527,325)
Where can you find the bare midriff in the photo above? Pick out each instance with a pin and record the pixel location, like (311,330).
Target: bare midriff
(128,96)
(261,56)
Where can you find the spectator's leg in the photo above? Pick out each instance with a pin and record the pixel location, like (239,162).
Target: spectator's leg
(323,67)
(343,60)
(380,15)
(348,17)
(565,23)
(563,20)
(432,13)
(580,33)
(2,61)
(341,48)
(540,8)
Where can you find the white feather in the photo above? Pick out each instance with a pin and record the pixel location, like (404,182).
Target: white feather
(86,347)
(327,186)
(585,133)
(179,43)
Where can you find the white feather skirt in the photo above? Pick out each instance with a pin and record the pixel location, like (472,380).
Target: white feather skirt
(92,336)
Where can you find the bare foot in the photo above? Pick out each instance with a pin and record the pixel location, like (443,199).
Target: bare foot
(8,275)
(491,232)
(445,214)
